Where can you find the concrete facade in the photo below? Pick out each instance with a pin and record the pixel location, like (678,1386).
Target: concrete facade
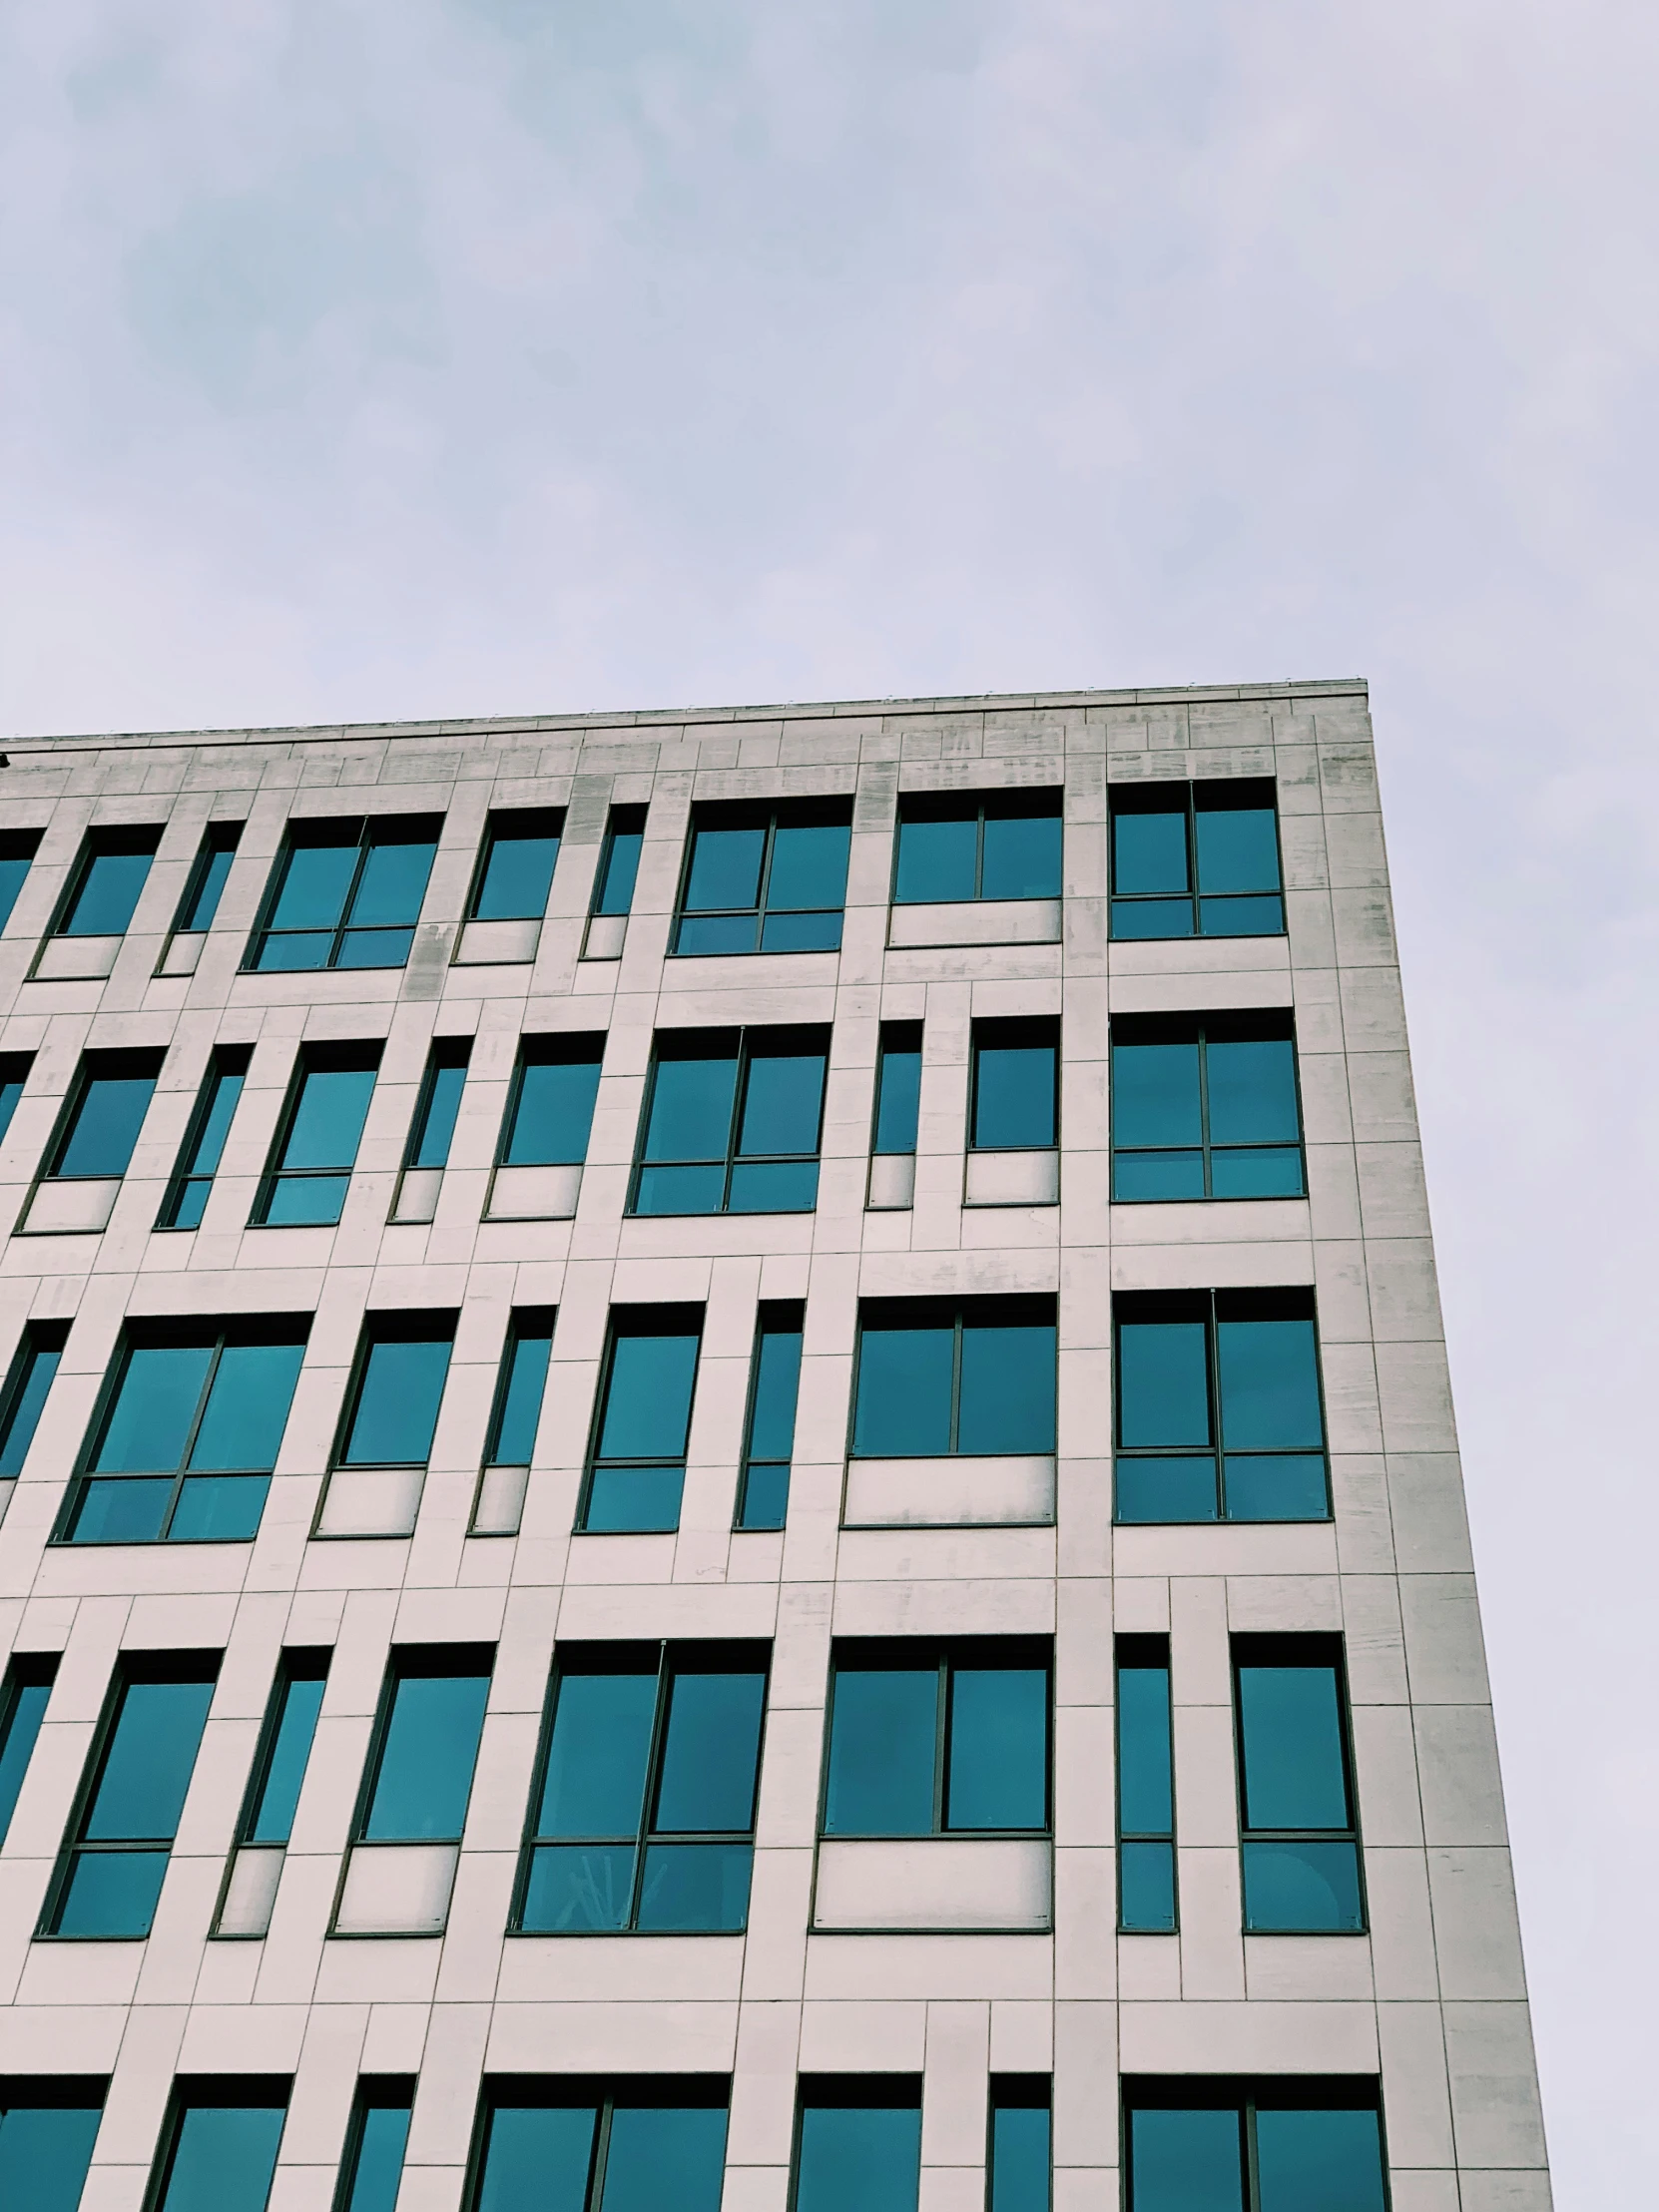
(1431,2001)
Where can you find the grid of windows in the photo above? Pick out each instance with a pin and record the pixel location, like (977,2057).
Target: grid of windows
(346,894)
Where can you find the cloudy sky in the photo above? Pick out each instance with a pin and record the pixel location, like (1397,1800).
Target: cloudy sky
(408,357)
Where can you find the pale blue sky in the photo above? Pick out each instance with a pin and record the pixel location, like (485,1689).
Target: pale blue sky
(364,359)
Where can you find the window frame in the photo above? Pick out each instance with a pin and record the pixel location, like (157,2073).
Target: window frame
(776,1316)
(1138,1653)
(128,1063)
(1170,1030)
(392,1325)
(851,2092)
(294,841)
(331,1057)
(604,2093)
(415,1662)
(115,840)
(36,1339)
(224,2092)
(550,821)
(295,1663)
(1004,802)
(58,2092)
(1246,2095)
(810,1036)
(1314,1650)
(525,1323)
(216,838)
(893,1038)
(1008,1308)
(17,845)
(15,1067)
(1018,1032)
(1016,2092)
(373,2093)
(442,1054)
(1133,798)
(620,822)
(826,813)
(228,1063)
(549,1048)
(25,1670)
(675,1318)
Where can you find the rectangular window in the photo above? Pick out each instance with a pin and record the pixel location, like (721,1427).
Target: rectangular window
(284,1747)
(392,1408)
(858,2143)
(619,863)
(732,1122)
(1146,1788)
(207,874)
(24,1398)
(104,888)
(1295,2144)
(1205,1106)
(550,1106)
(203,1145)
(1196,860)
(644,1816)
(515,868)
(419,1774)
(346,894)
(897,1087)
(569,2144)
(14,1073)
(766,879)
(109,1874)
(46,2129)
(102,1115)
(1019,2159)
(637,1460)
(17,851)
(219,2147)
(433,1130)
(373,2166)
(1218,1408)
(974,1376)
(29,1681)
(520,1387)
(189,1433)
(978,845)
(933,1739)
(1015,1095)
(1298,1839)
(768,1431)
(309,1169)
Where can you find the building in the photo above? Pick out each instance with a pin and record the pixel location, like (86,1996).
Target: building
(1013,1695)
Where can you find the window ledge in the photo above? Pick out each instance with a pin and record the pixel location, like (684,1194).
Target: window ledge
(397,1890)
(1012,1179)
(72,1206)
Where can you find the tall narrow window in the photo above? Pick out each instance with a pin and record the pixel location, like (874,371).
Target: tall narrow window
(1196,860)
(732,1122)
(1218,1408)
(567,2144)
(102,1116)
(14,1073)
(769,1438)
(29,1681)
(346,894)
(105,885)
(927,1740)
(619,862)
(23,1400)
(17,851)
(48,2126)
(207,875)
(897,1087)
(109,1876)
(438,1107)
(644,1814)
(637,1462)
(203,1145)
(1146,1788)
(189,1434)
(766,879)
(1019,2164)
(309,1169)
(1299,1842)
(939,1377)
(219,2147)
(977,844)
(376,2140)
(420,1769)
(514,1418)
(1204,1107)
(1015,1103)
(515,868)
(272,1793)
(544,1133)
(1197,2143)
(392,1411)
(858,2143)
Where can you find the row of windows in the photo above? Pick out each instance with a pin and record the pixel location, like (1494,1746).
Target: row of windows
(639,2144)
(641,1813)
(1187,860)
(1218,1407)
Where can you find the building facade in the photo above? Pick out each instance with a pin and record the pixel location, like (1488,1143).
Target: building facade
(729,1477)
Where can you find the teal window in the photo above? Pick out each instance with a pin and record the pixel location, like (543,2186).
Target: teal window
(567,2144)
(520,1387)
(933,1739)
(768,1434)
(109,1876)
(978,845)
(14,1073)
(438,1106)
(23,1702)
(346,894)
(1146,1788)
(1298,1839)
(644,1813)
(189,1434)
(515,868)
(392,1408)
(550,1105)
(1218,1408)
(284,1747)
(104,888)
(765,879)
(218,2149)
(23,1400)
(1293,2144)
(203,1145)
(17,851)
(102,1115)
(46,2129)
(858,2143)
(1204,1107)
(733,1121)
(619,862)
(938,1375)
(1014,1098)
(897,1087)
(372,2167)
(309,1169)
(1019,2161)
(419,1775)
(208,871)
(637,1462)
(1196,860)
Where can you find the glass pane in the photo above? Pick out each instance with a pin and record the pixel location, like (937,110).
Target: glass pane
(437,1127)
(1270,1389)
(279,1795)
(1019,2158)
(765,1495)
(1007,1394)
(808,866)
(109,892)
(787,933)
(1022,857)
(1149,854)
(622,864)
(203,902)
(1152,917)
(112,1894)
(426,1761)
(773,1187)
(537,2159)
(28,1708)
(397,1403)
(1163,1384)
(121,1512)
(691,1109)
(696,1888)
(600,1746)
(190,1205)
(1155,1097)
(1252,1091)
(328,1117)
(527,1358)
(219,1508)
(881,1752)
(719,933)
(634,1501)
(1238,849)
(216,1125)
(248,1407)
(150,1422)
(1318,2161)
(777,1386)
(28,1402)
(711,1754)
(373,948)
(859,2159)
(13,868)
(905,1378)
(1276,1487)
(1146,1888)
(1301,1889)
(392,884)
(306,1201)
(1140,1178)
(725,869)
(1145,1791)
(45,2150)
(1242,917)
(1014,1096)
(107,1124)
(937,861)
(224,2158)
(303,949)
(1186,2162)
(1166,1490)
(781,1101)
(997,1775)
(11,1090)
(680,1190)
(314,884)
(151,1758)
(648,1397)
(518,875)
(379,2165)
(1266,1171)
(662,2155)
(899,1101)
(576,1889)
(1290,1729)
(554,1113)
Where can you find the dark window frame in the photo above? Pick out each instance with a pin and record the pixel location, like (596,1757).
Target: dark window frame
(390,1325)
(224,2092)
(603,2093)
(525,1323)
(128,1063)
(15,846)
(534,821)
(1313,1650)
(549,1048)
(373,2093)
(36,1339)
(1246,2095)
(15,1067)
(896,1039)
(1010,802)
(294,839)
(1018,1032)
(227,1063)
(674,1319)
(218,837)
(778,1317)
(620,822)
(415,1662)
(111,840)
(295,1663)
(443,1053)
(1013,1309)
(1245,794)
(1233,1026)
(318,1058)
(25,1670)
(809,1036)
(868,2092)
(1150,1653)
(770,815)
(1016,2092)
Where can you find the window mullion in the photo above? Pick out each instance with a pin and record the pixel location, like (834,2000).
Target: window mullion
(344,921)
(980,855)
(956,1377)
(600,2156)
(1252,2182)
(1204,1102)
(1211,1357)
(765,891)
(1192,856)
(653,1775)
(739,1091)
(942,1743)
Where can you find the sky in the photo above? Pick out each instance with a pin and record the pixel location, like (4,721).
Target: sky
(375,358)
